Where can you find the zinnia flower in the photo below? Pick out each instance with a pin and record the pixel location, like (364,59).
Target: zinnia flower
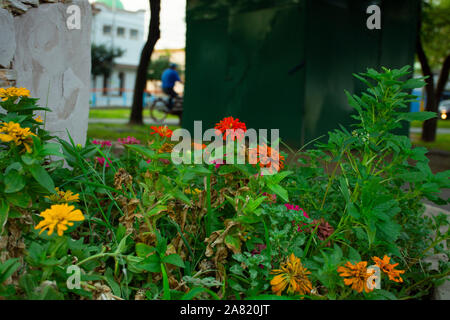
(129,140)
(356,275)
(266,157)
(324,230)
(59,216)
(192,191)
(163,131)
(293,276)
(13,92)
(102,143)
(64,197)
(271,197)
(231,127)
(14,132)
(102,161)
(388,268)
(166,148)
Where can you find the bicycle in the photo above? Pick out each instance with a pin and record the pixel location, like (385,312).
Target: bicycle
(159,108)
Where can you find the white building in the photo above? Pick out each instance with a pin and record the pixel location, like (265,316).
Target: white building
(115,27)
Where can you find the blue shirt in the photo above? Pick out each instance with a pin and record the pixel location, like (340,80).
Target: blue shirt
(169,77)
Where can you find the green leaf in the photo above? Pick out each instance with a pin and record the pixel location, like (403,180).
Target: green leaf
(14,182)
(166,286)
(353,255)
(174,259)
(233,243)
(42,177)
(417,116)
(151,264)
(8,268)
(4,210)
(194,292)
(142,150)
(143,250)
(115,287)
(20,199)
(280,191)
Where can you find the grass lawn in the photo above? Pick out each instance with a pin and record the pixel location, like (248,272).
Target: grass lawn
(442,142)
(117,113)
(115,131)
(441,124)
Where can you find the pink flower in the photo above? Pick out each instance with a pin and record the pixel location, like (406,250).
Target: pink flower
(129,140)
(259,247)
(102,161)
(102,143)
(296,208)
(217,163)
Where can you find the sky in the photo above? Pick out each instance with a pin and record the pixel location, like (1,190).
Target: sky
(173,25)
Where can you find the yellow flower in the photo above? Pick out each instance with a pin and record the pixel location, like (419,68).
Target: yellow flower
(38,119)
(356,275)
(63,197)
(193,191)
(388,268)
(14,132)
(59,216)
(292,275)
(13,92)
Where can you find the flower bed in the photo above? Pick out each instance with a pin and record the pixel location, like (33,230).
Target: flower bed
(342,221)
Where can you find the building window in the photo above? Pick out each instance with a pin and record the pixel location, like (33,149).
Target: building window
(107,30)
(121,32)
(105,85)
(133,34)
(121,83)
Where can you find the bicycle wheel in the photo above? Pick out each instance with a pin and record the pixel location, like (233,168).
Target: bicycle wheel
(157,112)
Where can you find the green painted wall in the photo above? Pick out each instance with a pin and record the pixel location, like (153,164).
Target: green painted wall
(285,64)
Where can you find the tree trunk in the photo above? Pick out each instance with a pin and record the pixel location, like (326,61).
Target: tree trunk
(141,75)
(443,78)
(429,126)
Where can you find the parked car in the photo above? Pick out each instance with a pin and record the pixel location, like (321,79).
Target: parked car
(444,109)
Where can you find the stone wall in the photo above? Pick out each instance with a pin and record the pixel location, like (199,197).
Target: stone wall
(39,52)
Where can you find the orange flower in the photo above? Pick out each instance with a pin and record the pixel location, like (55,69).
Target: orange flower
(356,275)
(266,157)
(163,131)
(198,146)
(388,268)
(229,126)
(292,275)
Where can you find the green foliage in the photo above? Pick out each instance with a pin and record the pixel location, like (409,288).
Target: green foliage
(156,230)
(435,31)
(102,59)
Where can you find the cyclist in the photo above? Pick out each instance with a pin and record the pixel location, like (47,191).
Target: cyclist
(169,78)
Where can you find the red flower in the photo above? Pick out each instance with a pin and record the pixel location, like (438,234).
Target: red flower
(229,126)
(163,131)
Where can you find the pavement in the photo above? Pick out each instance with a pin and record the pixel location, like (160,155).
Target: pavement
(148,121)
(439,130)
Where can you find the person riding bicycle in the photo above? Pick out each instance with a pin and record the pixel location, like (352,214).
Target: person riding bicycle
(169,78)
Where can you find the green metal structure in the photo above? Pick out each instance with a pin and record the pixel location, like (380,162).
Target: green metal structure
(285,63)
